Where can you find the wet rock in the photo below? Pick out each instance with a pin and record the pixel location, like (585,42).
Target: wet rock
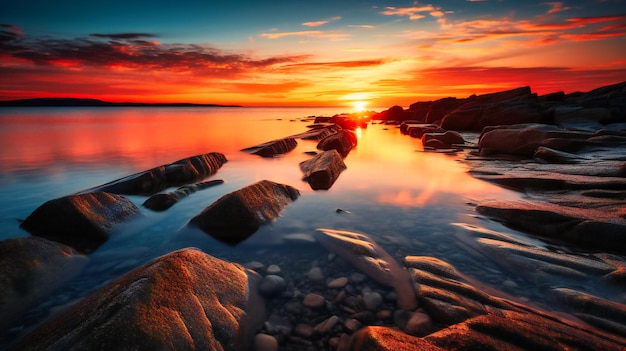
(33,268)
(314,301)
(604,314)
(237,215)
(278,325)
(185,300)
(152,181)
(304,330)
(161,202)
(351,325)
(255,266)
(315,274)
(273,269)
(272,285)
(585,227)
(323,170)
(419,324)
(343,141)
(82,221)
(374,338)
(547,155)
(447,138)
(326,326)
(433,265)
(299,238)
(338,283)
(264,342)
(364,254)
(273,148)
(372,300)
(440,108)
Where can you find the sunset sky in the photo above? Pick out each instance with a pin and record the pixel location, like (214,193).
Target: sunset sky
(306,53)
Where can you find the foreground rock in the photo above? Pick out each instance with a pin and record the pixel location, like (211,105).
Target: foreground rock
(364,254)
(186,300)
(273,148)
(236,216)
(323,170)
(33,268)
(161,202)
(83,221)
(152,181)
(343,141)
(583,227)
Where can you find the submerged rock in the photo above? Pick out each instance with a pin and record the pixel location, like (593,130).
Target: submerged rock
(82,221)
(343,141)
(364,254)
(152,181)
(323,170)
(273,148)
(237,215)
(185,300)
(33,268)
(161,202)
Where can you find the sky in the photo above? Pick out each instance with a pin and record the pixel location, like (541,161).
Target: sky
(297,53)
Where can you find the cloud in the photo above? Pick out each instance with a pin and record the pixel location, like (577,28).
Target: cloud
(123,36)
(414,13)
(556,6)
(320,23)
(9,33)
(305,33)
(338,64)
(366,26)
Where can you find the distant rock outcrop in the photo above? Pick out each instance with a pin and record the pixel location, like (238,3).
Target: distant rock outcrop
(185,300)
(237,215)
(152,181)
(82,221)
(323,170)
(33,268)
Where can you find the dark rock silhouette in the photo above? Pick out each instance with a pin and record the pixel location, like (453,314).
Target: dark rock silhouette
(82,221)
(161,202)
(343,141)
(323,170)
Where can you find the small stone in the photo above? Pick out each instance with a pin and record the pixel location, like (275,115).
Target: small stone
(357,278)
(365,317)
(326,326)
(255,266)
(299,238)
(273,269)
(272,285)
(351,325)
(264,342)
(315,274)
(338,283)
(384,314)
(509,284)
(401,318)
(278,325)
(419,324)
(304,330)
(294,307)
(313,300)
(372,301)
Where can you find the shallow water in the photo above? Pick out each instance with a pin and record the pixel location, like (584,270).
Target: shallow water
(409,201)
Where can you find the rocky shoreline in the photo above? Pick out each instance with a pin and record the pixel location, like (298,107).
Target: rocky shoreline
(565,153)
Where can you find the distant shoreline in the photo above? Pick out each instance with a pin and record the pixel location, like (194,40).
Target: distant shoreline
(74,102)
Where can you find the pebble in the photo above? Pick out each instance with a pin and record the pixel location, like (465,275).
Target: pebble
(357,278)
(272,285)
(419,324)
(314,300)
(338,283)
(273,269)
(384,314)
(315,274)
(372,301)
(326,326)
(304,330)
(299,238)
(255,266)
(264,342)
(278,325)
(351,325)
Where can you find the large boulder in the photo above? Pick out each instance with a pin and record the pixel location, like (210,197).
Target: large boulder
(364,254)
(152,181)
(161,202)
(377,338)
(273,148)
(237,215)
(82,221)
(185,300)
(33,268)
(323,170)
(343,141)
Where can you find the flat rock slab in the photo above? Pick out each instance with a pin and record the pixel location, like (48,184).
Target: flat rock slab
(33,268)
(364,254)
(584,227)
(237,215)
(82,221)
(323,170)
(186,300)
(152,181)
(273,148)
(161,202)
(343,141)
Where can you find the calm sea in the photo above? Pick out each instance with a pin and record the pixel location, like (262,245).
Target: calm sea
(405,199)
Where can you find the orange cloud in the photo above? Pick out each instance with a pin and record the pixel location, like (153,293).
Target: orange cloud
(320,23)
(306,33)
(414,13)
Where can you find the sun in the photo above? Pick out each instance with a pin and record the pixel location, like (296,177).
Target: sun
(359,106)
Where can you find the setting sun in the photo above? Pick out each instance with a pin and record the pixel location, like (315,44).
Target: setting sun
(359,106)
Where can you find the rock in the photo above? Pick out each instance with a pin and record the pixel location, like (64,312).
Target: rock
(323,170)
(152,181)
(374,338)
(315,274)
(184,300)
(304,330)
(314,301)
(343,141)
(372,301)
(364,254)
(161,202)
(357,278)
(446,139)
(326,326)
(33,268)
(584,227)
(601,313)
(351,325)
(273,148)
(273,269)
(337,283)
(417,131)
(264,342)
(299,238)
(547,155)
(278,325)
(272,285)
(432,265)
(442,107)
(419,324)
(255,266)
(82,221)
(237,215)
